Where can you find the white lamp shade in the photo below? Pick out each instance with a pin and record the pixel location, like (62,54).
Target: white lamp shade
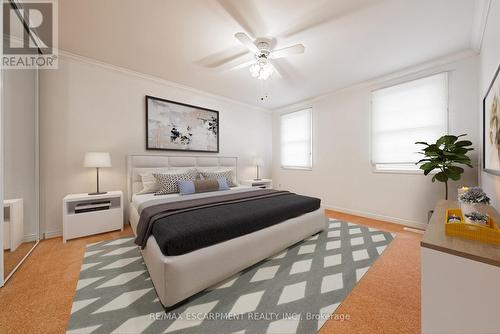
(258,162)
(97,159)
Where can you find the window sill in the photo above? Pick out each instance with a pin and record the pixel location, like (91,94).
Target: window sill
(297,168)
(397,171)
(402,168)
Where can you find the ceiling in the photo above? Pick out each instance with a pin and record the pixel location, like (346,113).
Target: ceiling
(346,41)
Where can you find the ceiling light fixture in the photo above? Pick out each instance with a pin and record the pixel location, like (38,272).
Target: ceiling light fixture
(262,69)
(263,66)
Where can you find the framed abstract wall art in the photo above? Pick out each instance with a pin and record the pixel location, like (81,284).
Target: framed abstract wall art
(491,127)
(177,126)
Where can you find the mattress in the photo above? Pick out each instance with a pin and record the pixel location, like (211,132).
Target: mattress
(182,224)
(191,230)
(140,200)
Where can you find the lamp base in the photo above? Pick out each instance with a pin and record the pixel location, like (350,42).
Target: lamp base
(98,193)
(258,179)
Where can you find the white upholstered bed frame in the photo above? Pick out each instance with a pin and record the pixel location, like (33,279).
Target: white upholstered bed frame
(172,161)
(178,277)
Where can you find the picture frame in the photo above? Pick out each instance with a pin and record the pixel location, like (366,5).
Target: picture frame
(491,126)
(176,126)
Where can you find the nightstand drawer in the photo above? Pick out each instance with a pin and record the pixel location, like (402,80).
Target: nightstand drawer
(88,223)
(260,185)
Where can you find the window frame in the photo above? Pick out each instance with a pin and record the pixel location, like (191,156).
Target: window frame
(308,168)
(386,169)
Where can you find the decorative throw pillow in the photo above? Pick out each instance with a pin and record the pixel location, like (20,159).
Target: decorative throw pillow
(200,186)
(168,181)
(149,184)
(227,174)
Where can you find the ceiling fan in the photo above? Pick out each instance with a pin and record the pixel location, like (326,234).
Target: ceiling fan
(261,67)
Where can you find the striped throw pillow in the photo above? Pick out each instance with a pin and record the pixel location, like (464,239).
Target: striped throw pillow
(201,186)
(214,175)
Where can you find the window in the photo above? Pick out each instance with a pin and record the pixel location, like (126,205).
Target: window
(296,142)
(404,114)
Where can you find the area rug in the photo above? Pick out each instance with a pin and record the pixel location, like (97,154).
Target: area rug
(295,291)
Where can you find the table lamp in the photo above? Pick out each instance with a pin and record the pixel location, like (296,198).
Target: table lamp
(97,160)
(259,162)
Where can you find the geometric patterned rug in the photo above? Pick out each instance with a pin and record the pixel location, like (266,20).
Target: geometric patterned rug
(295,291)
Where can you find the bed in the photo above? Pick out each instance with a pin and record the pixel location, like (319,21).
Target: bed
(177,277)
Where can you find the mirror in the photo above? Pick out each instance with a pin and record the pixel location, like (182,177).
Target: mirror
(20,169)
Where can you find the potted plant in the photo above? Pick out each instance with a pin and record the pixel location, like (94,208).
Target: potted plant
(474,200)
(444,156)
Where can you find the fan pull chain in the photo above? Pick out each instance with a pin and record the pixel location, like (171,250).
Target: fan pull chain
(263,94)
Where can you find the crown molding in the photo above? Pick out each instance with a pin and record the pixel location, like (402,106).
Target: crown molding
(123,70)
(481,11)
(415,70)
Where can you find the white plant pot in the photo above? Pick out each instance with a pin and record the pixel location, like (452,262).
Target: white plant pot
(473,207)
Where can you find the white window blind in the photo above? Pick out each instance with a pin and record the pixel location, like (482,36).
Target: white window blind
(404,114)
(296,139)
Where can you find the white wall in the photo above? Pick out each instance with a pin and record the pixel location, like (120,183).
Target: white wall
(489,62)
(87,106)
(342,175)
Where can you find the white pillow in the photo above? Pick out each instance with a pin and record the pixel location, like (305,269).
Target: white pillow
(149,184)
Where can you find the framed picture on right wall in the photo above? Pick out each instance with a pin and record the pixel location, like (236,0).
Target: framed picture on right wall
(491,127)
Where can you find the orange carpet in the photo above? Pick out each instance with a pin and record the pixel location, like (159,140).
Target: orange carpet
(387,299)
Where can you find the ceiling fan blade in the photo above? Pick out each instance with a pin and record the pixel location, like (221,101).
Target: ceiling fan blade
(243,65)
(246,41)
(223,58)
(277,73)
(329,12)
(285,52)
(246,14)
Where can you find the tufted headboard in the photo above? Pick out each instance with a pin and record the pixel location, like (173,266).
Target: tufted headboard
(135,161)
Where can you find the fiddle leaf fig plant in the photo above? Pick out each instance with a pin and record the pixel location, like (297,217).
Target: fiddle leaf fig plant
(443,157)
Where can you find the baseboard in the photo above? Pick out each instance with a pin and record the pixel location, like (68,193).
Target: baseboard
(389,219)
(29,237)
(52,234)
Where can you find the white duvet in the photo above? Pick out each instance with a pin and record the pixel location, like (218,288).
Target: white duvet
(144,200)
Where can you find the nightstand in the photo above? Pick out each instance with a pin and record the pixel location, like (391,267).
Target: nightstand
(85,214)
(263,183)
(13,227)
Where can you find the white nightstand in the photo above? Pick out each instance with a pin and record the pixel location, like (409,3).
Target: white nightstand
(85,214)
(13,227)
(263,183)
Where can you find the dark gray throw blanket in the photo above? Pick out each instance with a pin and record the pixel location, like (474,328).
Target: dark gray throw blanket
(150,215)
